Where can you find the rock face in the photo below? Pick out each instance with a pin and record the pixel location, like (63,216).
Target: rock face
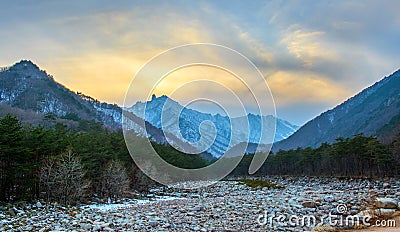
(224,206)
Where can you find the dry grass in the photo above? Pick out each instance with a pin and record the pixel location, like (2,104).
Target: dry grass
(260,183)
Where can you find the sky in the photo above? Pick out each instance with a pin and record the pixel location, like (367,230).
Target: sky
(312,54)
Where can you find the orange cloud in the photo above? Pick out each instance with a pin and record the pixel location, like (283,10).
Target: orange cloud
(288,87)
(306,46)
(101,75)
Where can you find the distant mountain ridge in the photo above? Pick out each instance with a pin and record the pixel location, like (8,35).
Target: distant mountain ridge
(169,116)
(34,95)
(27,90)
(375,111)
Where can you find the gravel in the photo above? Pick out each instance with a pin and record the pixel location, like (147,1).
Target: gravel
(224,206)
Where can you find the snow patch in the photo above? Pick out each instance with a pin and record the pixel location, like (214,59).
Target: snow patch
(331,117)
(127,204)
(185,123)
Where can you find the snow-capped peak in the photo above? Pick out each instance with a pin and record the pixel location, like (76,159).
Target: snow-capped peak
(218,132)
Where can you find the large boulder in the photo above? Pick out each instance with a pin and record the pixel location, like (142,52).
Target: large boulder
(323,228)
(309,204)
(386,203)
(377,213)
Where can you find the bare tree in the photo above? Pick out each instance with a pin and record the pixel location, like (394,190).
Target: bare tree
(48,180)
(62,178)
(115,180)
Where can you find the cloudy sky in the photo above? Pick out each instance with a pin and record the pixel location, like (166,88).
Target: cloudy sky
(313,54)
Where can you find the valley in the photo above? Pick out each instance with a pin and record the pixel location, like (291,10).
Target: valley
(302,204)
(312,171)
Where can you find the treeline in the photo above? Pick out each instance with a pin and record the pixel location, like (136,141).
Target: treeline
(360,156)
(69,165)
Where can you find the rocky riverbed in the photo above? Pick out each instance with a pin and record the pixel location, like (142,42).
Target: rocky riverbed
(224,206)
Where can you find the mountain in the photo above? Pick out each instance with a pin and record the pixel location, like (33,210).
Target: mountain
(27,89)
(375,111)
(34,95)
(206,132)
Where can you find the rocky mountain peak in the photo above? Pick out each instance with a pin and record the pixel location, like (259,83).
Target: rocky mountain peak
(170,116)
(25,86)
(26,69)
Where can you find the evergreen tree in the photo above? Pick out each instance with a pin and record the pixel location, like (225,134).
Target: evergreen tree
(14,161)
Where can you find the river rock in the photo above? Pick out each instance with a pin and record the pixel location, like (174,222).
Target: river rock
(323,228)
(386,203)
(377,212)
(226,205)
(38,204)
(153,223)
(309,204)
(12,212)
(197,208)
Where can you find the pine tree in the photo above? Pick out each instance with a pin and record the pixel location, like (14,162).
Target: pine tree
(14,160)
